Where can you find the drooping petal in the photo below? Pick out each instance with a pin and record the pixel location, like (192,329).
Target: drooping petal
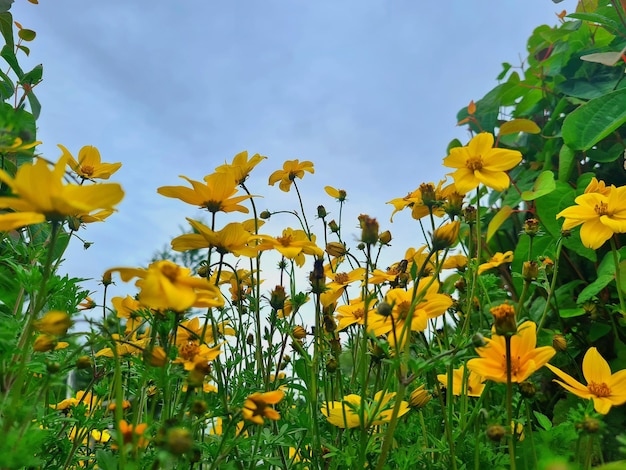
(570,383)
(594,234)
(15,220)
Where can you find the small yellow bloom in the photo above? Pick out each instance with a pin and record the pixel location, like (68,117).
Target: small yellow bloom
(39,194)
(605,389)
(54,323)
(471,384)
(216,194)
(292,244)
(233,238)
(44,343)
(89,165)
(480,163)
(419,397)
(165,285)
(256,406)
(525,358)
(241,167)
(347,413)
(495,261)
(446,236)
(599,214)
(292,169)
(351,314)
(339,194)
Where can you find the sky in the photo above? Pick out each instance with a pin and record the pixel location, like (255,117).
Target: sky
(367,90)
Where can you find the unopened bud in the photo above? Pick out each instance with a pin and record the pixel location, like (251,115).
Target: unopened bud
(84,362)
(495,432)
(277,298)
(179,440)
(527,389)
(419,397)
(332,225)
(199,407)
(446,236)
(298,332)
(317,277)
(336,249)
(429,196)
(469,214)
(265,215)
(530,271)
(369,229)
(559,342)
(321,212)
(504,319)
(106,279)
(591,425)
(332,365)
(531,227)
(384,309)
(385,237)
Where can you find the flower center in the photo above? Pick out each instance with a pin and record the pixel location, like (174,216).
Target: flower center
(403,309)
(213,206)
(87,169)
(188,351)
(284,241)
(474,163)
(515,366)
(599,390)
(170,272)
(602,208)
(342,278)
(358,313)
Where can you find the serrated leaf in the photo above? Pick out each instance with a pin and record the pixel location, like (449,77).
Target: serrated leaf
(501,216)
(593,121)
(26,34)
(519,125)
(544,184)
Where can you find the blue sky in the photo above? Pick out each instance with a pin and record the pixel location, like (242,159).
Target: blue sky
(367,90)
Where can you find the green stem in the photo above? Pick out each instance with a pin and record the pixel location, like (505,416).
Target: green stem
(618,280)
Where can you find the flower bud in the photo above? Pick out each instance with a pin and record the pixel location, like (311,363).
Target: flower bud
(527,389)
(331,365)
(336,249)
(332,225)
(84,362)
(317,278)
(469,214)
(385,237)
(495,432)
(73,223)
(53,367)
(54,323)
(199,407)
(531,227)
(429,196)
(321,212)
(446,236)
(179,440)
(454,204)
(329,324)
(559,342)
(298,332)
(591,425)
(44,343)
(504,319)
(265,215)
(419,397)
(250,339)
(478,341)
(530,271)
(384,309)
(369,229)
(106,279)
(278,297)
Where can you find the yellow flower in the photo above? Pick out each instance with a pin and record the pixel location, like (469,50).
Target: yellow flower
(293,244)
(424,199)
(292,169)
(339,283)
(495,261)
(130,309)
(131,434)
(446,236)
(339,194)
(347,413)
(256,406)
(596,186)
(471,385)
(351,314)
(455,262)
(233,238)
(125,346)
(525,358)
(605,389)
(165,285)
(241,167)
(196,357)
(86,398)
(480,163)
(39,194)
(431,305)
(215,194)
(193,330)
(89,165)
(601,216)
(54,323)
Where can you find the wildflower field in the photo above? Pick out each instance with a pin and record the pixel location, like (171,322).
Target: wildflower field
(500,342)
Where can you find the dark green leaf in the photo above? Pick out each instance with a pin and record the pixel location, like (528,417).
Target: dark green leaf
(595,120)
(8,55)
(5,5)
(33,77)
(6,28)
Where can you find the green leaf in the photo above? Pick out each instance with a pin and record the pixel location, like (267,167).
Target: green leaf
(33,77)
(596,119)
(606,274)
(543,420)
(566,162)
(571,312)
(5,5)
(6,28)
(35,105)
(498,219)
(596,18)
(24,49)
(26,34)
(543,185)
(8,55)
